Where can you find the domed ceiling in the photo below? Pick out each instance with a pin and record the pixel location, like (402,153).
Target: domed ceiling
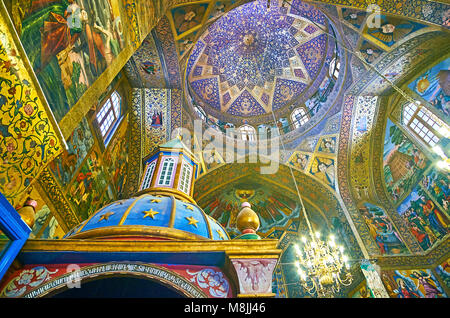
(256,59)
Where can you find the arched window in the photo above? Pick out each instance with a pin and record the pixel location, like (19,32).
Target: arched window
(185,178)
(166,171)
(200,112)
(335,66)
(109,115)
(247,133)
(148,175)
(299,117)
(423,124)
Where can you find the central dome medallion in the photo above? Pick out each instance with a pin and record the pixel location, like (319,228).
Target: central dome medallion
(256,59)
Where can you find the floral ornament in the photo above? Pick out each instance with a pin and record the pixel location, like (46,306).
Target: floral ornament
(28,141)
(28,278)
(215,282)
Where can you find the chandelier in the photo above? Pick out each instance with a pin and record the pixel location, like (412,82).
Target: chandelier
(322,267)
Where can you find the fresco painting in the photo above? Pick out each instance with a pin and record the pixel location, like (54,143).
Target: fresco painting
(415,283)
(425,220)
(327,144)
(324,169)
(299,160)
(273,209)
(69,44)
(403,163)
(86,190)
(116,158)
(79,144)
(392,30)
(437,184)
(434,87)
(382,230)
(53,230)
(443,271)
(188,17)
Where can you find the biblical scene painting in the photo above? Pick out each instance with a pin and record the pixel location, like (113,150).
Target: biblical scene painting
(327,144)
(437,185)
(434,87)
(116,158)
(299,160)
(323,169)
(272,208)
(79,143)
(427,222)
(382,230)
(69,44)
(415,283)
(403,163)
(443,271)
(86,190)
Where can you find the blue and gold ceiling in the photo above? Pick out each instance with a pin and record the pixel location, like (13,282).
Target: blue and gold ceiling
(256,59)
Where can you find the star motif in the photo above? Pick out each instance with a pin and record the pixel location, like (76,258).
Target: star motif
(155,201)
(192,221)
(105,216)
(189,207)
(150,213)
(221,234)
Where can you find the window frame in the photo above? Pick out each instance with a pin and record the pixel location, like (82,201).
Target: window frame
(412,117)
(147,177)
(247,130)
(299,123)
(116,111)
(170,176)
(185,179)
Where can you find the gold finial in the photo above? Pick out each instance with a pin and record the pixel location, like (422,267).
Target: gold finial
(247,221)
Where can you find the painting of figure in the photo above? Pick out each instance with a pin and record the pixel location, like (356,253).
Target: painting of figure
(443,270)
(415,283)
(434,87)
(403,163)
(79,144)
(327,144)
(299,160)
(437,184)
(86,190)
(382,230)
(425,220)
(323,169)
(69,44)
(116,158)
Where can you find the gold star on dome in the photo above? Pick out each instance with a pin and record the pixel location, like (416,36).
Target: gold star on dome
(192,221)
(189,207)
(150,213)
(221,234)
(155,201)
(105,216)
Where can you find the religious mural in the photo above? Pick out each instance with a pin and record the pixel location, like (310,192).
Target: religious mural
(79,144)
(90,183)
(382,230)
(403,163)
(273,208)
(116,158)
(434,87)
(324,169)
(391,30)
(437,185)
(69,44)
(443,271)
(187,17)
(415,283)
(427,222)
(299,160)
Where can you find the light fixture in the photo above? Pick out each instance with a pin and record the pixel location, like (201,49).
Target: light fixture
(322,267)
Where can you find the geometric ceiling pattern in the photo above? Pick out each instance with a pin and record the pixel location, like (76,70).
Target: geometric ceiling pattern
(256,59)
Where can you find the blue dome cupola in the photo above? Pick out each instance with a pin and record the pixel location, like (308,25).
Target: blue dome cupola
(163,209)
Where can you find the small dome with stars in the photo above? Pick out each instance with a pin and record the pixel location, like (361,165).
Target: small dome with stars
(150,217)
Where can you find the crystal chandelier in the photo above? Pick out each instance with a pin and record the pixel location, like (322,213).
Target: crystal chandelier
(322,267)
